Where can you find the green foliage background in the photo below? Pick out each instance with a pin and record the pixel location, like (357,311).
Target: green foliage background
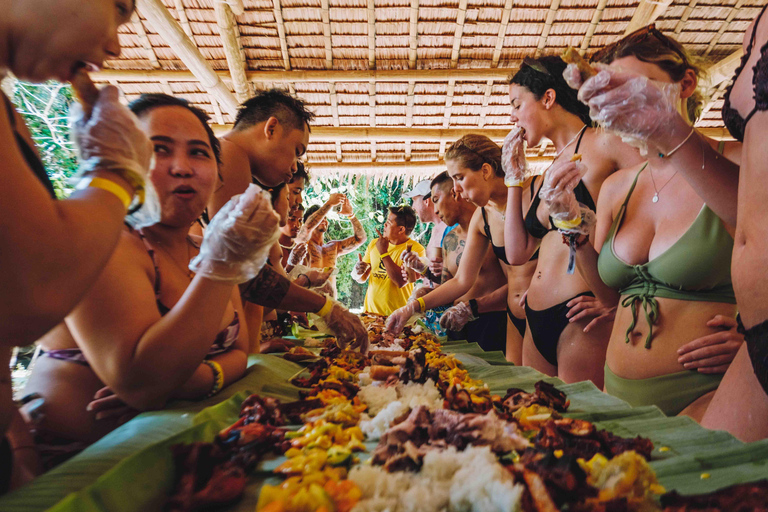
(45,108)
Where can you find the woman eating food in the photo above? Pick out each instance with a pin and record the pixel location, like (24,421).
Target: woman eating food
(560,340)
(53,251)
(474,165)
(151,329)
(664,255)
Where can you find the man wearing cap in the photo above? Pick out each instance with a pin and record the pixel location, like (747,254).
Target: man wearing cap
(388,287)
(420,196)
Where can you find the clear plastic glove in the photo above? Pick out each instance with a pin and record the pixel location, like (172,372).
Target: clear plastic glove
(110,139)
(361,267)
(557,192)
(319,277)
(573,76)
(348,328)
(456,317)
(641,111)
(297,255)
(397,320)
(419,292)
(238,239)
(513,161)
(436,267)
(412,261)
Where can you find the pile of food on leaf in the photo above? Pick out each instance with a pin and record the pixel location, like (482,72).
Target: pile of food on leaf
(444,444)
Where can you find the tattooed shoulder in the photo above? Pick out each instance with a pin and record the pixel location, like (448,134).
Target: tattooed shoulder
(268,289)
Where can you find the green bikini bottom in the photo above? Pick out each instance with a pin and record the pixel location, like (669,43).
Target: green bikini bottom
(671,393)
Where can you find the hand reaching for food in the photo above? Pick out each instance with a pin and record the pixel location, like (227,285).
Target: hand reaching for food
(513,161)
(397,320)
(456,317)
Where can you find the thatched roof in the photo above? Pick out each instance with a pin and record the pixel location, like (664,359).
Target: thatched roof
(402,76)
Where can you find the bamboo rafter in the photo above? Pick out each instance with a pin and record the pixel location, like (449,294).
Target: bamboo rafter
(486,99)
(278,13)
(181,12)
(138,26)
(724,26)
(596,17)
(647,12)
(413,34)
(230,35)
(551,15)
(324,7)
(371,34)
(684,17)
(505,15)
(459,32)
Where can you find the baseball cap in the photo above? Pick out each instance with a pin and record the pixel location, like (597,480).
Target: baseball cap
(420,189)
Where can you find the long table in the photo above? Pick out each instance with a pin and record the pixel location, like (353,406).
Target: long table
(131,469)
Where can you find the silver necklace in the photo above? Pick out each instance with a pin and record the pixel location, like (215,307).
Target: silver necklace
(658,190)
(569,143)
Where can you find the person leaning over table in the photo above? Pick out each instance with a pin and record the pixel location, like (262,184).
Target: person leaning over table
(421,201)
(664,255)
(474,165)
(388,288)
(480,315)
(151,329)
(740,404)
(53,251)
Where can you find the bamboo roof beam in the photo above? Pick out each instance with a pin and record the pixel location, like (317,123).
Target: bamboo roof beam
(409,117)
(646,12)
(183,20)
(230,36)
(217,110)
(505,15)
(316,75)
(372,113)
(684,17)
(596,17)
(371,34)
(168,28)
(167,88)
(424,166)
(277,11)
(731,15)
(713,99)
(413,35)
(460,19)
(551,15)
(388,134)
(447,113)
(326,15)
(145,42)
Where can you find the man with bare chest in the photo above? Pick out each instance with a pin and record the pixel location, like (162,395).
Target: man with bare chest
(487,297)
(322,254)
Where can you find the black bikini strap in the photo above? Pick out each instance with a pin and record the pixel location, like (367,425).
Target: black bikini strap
(578,142)
(754,33)
(486,226)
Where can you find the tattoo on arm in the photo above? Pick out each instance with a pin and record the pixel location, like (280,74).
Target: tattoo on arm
(267,289)
(460,252)
(350,244)
(446,275)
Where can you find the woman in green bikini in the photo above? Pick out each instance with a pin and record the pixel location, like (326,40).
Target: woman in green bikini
(664,259)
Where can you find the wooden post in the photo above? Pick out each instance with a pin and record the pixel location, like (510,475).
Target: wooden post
(230,36)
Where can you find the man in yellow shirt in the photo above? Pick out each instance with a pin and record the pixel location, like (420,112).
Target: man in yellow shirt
(388,290)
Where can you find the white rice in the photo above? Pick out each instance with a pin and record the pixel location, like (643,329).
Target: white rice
(385,403)
(375,428)
(468,481)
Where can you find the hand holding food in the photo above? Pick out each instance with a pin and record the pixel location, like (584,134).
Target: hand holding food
(641,111)
(319,277)
(516,169)
(412,261)
(361,267)
(86,93)
(578,70)
(348,328)
(238,240)
(456,317)
(397,320)
(557,192)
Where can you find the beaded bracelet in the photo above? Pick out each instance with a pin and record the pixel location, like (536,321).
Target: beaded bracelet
(218,377)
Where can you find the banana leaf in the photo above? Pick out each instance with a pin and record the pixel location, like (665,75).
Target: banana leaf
(129,469)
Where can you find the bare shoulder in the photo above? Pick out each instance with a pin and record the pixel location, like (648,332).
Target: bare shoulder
(619,153)
(132,250)
(616,186)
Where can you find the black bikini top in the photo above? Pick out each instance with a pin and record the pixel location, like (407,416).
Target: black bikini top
(532,223)
(499,252)
(733,121)
(29,154)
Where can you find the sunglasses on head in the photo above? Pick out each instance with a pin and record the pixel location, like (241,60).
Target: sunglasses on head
(607,53)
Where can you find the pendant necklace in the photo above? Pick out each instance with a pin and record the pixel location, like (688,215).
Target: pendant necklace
(658,190)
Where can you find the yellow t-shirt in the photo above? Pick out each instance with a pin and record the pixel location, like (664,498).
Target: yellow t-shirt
(383,295)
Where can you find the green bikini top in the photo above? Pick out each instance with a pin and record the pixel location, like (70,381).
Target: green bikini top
(697,267)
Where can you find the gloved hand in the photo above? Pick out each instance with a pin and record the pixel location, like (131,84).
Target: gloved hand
(238,239)
(361,267)
(641,111)
(297,255)
(348,328)
(109,139)
(573,76)
(419,292)
(397,320)
(557,192)
(412,261)
(516,169)
(318,277)
(456,317)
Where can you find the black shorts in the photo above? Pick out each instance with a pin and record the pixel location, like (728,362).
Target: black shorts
(756,338)
(489,331)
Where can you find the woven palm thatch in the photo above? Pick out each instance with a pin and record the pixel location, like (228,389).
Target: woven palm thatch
(393,82)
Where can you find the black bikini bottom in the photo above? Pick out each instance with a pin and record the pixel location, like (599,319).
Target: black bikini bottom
(6,465)
(489,331)
(519,323)
(547,325)
(757,346)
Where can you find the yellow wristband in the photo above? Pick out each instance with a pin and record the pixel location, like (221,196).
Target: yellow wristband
(422,304)
(382,256)
(109,186)
(327,307)
(218,377)
(567,224)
